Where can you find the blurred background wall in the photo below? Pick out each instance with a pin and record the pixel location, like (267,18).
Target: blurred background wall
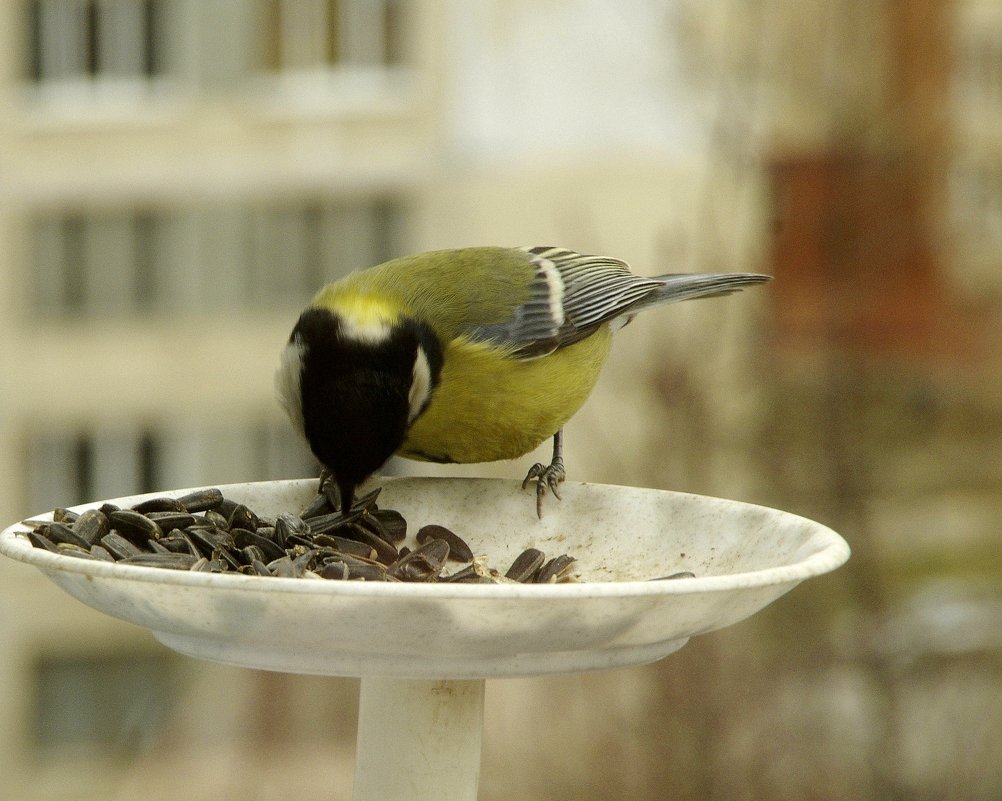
(177,177)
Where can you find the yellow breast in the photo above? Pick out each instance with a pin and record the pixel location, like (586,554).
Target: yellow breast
(488,406)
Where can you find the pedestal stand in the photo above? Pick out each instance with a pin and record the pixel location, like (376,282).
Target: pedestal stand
(419,738)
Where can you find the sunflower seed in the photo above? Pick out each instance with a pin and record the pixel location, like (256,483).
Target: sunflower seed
(171,561)
(62,533)
(353,547)
(386,552)
(367,501)
(118,546)
(467,575)
(242,517)
(92,525)
(69,549)
(135,526)
(268,532)
(423,563)
(317,507)
(214,518)
(556,570)
(287,525)
(251,554)
(526,565)
(159,505)
(39,540)
(101,554)
(393,523)
(282,567)
(352,561)
(201,500)
(260,568)
(61,515)
(172,519)
(334,569)
(244,537)
(372,524)
(210,539)
(301,562)
(365,572)
(175,542)
(459,551)
(325,523)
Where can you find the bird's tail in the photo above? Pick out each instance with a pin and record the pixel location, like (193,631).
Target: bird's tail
(675,287)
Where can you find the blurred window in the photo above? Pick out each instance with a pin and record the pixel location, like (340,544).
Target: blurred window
(74,40)
(974,187)
(90,263)
(95,263)
(116,459)
(312,34)
(108,702)
(72,467)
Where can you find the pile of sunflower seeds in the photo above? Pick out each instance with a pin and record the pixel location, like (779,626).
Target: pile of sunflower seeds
(204,531)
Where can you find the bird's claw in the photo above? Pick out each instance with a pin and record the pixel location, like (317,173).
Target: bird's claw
(546,477)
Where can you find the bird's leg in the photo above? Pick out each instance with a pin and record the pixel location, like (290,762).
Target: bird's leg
(550,475)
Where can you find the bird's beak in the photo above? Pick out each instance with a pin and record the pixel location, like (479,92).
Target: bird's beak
(346,491)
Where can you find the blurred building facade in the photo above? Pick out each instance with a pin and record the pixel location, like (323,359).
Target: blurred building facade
(177,177)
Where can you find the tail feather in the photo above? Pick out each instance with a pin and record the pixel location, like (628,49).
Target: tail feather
(674,287)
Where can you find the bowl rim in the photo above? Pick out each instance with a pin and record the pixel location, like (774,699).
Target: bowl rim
(832,552)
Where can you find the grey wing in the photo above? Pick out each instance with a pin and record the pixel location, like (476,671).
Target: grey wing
(572,294)
(601,290)
(596,289)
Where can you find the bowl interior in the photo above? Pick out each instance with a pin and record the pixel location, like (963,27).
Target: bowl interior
(615,533)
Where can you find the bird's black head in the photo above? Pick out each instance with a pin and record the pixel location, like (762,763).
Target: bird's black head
(353,390)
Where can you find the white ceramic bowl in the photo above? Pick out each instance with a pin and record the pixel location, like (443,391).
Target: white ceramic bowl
(744,557)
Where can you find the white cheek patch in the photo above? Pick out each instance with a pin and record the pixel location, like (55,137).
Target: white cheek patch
(288,378)
(420,385)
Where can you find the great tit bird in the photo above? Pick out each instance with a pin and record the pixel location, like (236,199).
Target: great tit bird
(469,355)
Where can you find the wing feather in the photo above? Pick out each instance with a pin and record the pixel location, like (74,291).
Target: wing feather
(572,294)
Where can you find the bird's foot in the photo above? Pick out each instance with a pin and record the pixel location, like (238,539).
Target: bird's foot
(546,477)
